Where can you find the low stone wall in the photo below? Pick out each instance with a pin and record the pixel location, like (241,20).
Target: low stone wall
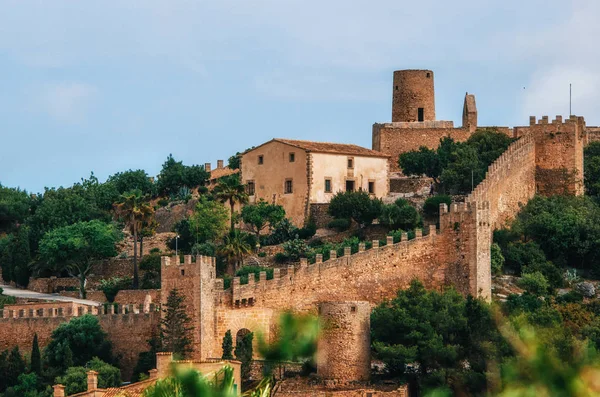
(97,296)
(319,214)
(279,370)
(410,185)
(137,296)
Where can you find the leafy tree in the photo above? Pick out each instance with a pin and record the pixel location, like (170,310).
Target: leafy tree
(186,240)
(36,358)
(262,214)
(176,326)
(535,283)
(358,206)
(235,246)
(431,207)
(243,352)
(29,385)
(136,211)
(113,285)
(75,248)
(227,346)
(234,161)
(436,339)
(15,256)
(14,207)
(11,366)
(175,175)
(591,169)
(209,221)
(424,161)
(132,180)
(497,259)
(146,360)
(229,189)
(400,215)
(82,335)
(75,378)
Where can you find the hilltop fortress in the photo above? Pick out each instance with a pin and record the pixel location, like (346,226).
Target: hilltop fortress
(547,158)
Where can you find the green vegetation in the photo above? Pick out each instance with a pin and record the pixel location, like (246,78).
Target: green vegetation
(209,221)
(227,346)
(230,190)
(400,215)
(175,326)
(358,206)
(431,207)
(174,175)
(75,378)
(243,352)
(457,166)
(76,248)
(6,300)
(262,214)
(591,171)
(113,285)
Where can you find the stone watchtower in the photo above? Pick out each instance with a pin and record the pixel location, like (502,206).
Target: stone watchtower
(413,96)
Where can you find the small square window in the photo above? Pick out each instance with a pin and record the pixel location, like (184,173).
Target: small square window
(371,187)
(261,159)
(327,185)
(396,88)
(350,162)
(182,272)
(428,75)
(292,157)
(250,188)
(353,309)
(288,189)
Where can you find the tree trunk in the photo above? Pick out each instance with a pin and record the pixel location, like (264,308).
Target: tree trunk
(82,293)
(135,267)
(232,204)
(141,246)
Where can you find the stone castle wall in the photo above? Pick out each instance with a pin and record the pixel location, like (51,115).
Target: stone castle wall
(128,327)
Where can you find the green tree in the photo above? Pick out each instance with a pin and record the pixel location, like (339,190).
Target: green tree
(176,328)
(262,214)
(6,300)
(209,220)
(75,378)
(358,206)
(243,352)
(235,246)
(174,175)
(75,248)
(400,215)
(227,346)
(431,207)
(230,190)
(424,161)
(132,180)
(136,211)
(445,338)
(497,259)
(591,169)
(29,385)
(535,283)
(12,364)
(36,358)
(14,207)
(15,256)
(82,335)
(234,161)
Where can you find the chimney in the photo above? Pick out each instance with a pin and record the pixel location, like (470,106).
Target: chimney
(59,390)
(219,163)
(153,374)
(163,362)
(207,167)
(92,380)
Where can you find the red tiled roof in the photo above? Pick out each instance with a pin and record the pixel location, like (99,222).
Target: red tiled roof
(335,148)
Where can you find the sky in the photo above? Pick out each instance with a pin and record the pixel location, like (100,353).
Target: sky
(114,85)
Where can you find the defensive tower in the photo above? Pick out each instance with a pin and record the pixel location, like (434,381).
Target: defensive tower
(413,97)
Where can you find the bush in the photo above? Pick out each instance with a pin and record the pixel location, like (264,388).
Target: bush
(400,215)
(497,259)
(281,257)
(358,206)
(518,254)
(202,190)
(282,232)
(163,202)
(6,300)
(296,249)
(205,249)
(150,262)
(570,297)
(431,207)
(534,283)
(155,250)
(552,273)
(113,285)
(309,230)
(245,271)
(339,224)
(262,254)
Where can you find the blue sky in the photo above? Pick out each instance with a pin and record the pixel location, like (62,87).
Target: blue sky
(107,86)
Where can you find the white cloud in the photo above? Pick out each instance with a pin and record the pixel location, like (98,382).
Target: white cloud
(67,102)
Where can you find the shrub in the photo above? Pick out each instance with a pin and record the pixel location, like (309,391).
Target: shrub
(283,231)
(358,206)
(339,224)
(155,250)
(113,285)
(549,270)
(534,283)
(245,271)
(150,262)
(202,190)
(262,254)
(205,249)
(296,249)
(400,215)
(309,230)
(431,207)
(163,202)
(497,259)
(518,254)
(281,257)
(570,297)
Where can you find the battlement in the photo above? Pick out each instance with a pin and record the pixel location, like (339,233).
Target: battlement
(417,124)
(558,120)
(248,294)
(70,309)
(199,260)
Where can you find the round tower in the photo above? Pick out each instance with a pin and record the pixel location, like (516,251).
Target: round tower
(344,349)
(413,97)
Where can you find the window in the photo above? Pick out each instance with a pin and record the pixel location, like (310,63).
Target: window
(421,116)
(182,272)
(371,187)
(250,188)
(327,185)
(428,75)
(292,157)
(288,189)
(261,159)
(349,186)
(353,309)
(396,88)
(350,162)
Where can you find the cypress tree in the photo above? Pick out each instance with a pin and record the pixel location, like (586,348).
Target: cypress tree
(36,360)
(227,346)
(175,326)
(15,366)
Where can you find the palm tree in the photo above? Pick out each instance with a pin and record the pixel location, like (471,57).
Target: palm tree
(134,209)
(235,246)
(231,190)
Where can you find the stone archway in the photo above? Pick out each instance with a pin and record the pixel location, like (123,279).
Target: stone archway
(240,335)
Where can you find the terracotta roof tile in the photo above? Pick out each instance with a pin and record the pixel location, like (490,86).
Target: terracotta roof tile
(335,148)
